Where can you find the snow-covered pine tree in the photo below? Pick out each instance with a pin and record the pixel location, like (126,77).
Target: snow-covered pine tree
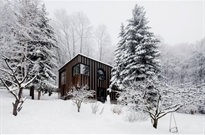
(46,58)
(141,49)
(141,89)
(139,53)
(116,79)
(10,30)
(42,44)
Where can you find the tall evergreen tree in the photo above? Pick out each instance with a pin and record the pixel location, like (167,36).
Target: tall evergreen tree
(116,79)
(41,50)
(136,55)
(40,43)
(141,49)
(136,64)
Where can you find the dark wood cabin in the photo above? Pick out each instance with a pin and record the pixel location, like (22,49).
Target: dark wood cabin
(83,70)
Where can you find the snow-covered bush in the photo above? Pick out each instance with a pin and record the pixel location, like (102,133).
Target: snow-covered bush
(191,97)
(132,116)
(142,96)
(80,94)
(188,109)
(102,110)
(116,109)
(95,107)
(142,116)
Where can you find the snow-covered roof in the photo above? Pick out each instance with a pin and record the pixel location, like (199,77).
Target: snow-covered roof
(86,57)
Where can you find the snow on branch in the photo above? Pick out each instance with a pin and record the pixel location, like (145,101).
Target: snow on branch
(170,109)
(15,84)
(156,112)
(80,94)
(6,71)
(28,82)
(10,90)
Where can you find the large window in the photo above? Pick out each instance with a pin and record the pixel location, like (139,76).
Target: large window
(84,69)
(63,80)
(81,69)
(76,69)
(101,74)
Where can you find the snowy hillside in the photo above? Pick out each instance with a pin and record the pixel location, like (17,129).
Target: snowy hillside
(52,115)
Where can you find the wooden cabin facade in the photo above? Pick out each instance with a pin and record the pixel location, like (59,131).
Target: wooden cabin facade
(81,71)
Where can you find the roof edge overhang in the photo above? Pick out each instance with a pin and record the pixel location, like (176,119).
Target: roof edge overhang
(80,54)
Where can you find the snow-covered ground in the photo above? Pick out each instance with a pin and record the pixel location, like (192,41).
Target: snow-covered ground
(54,116)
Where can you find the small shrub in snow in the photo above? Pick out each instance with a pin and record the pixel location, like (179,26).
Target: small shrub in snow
(188,109)
(102,110)
(117,109)
(80,94)
(142,116)
(95,107)
(132,116)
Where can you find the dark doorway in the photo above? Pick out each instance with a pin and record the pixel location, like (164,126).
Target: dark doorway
(101,94)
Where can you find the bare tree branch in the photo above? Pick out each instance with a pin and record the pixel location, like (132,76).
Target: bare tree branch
(174,110)
(10,68)
(5,71)
(7,87)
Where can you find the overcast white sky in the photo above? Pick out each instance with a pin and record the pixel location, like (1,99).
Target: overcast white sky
(175,21)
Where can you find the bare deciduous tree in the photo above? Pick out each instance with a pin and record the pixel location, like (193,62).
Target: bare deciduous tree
(15,82)
(74,34)
(80,94)
(157,112)
(83,28)
(103,40)
(137,98)
(62,29)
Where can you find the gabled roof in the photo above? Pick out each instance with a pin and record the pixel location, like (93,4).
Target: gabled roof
(79,54)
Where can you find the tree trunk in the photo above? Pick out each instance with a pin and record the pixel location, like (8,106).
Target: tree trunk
(78,108)
(15,107)
(100,51)
(16,104)
(81,44)
(73,44)
(79,105)
(32,92)
(155,123)
(39,95)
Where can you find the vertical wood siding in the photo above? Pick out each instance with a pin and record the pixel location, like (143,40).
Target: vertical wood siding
(80,79)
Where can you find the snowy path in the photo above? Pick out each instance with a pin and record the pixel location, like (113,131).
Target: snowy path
(54,116)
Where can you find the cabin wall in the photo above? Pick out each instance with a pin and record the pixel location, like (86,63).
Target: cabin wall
(92,81)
